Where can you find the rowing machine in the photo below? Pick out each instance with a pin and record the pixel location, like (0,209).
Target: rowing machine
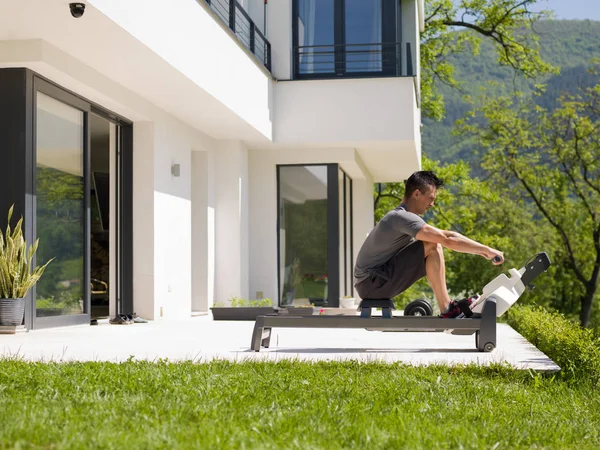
(497,297)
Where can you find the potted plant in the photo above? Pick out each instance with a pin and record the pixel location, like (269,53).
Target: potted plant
(242,309)
(17,276)
(315,288)
(347,301)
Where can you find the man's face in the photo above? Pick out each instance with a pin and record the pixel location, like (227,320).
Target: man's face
(425,200)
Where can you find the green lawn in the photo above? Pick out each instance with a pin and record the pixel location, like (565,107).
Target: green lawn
(290,405)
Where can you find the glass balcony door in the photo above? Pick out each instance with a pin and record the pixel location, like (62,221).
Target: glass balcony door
(336,38)
(61,200)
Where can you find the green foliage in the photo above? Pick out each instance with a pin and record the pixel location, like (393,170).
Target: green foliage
(575,350)
(60,225)
(551,160)
(305,244)
(291,405)
(238,302)
(504,25)
(566,44)
(17,274)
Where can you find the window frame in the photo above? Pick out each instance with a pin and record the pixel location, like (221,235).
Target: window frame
(391,30)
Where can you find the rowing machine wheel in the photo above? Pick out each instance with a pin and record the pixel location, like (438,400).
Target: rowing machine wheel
(420,307)
(488,347)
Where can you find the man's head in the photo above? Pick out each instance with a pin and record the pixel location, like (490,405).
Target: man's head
(420,190)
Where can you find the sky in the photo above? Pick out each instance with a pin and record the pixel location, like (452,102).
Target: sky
(572,9)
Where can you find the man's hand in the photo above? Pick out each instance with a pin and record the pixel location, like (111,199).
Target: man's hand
(497,257)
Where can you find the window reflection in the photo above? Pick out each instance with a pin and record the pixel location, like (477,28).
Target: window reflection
(303,235)
(59,207)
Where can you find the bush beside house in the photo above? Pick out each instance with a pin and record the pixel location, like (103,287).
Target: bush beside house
(576,350)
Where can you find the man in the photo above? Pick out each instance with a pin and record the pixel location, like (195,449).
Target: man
(402,249)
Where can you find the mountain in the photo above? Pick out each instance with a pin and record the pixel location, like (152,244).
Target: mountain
(568,44)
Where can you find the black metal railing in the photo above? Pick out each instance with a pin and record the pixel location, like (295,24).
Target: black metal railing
(239,22)
(348,60)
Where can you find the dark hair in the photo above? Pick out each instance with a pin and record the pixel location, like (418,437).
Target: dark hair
(421,181)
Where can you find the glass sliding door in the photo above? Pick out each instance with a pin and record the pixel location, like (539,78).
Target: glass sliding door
(303,235)
(60,207)
(102,209)
(315,234)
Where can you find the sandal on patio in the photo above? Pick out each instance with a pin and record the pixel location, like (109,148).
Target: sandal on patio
(120,320)
(138,319)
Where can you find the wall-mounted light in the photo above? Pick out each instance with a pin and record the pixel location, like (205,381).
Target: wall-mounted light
(175,170)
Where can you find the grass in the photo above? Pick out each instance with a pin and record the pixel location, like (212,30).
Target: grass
(290,404)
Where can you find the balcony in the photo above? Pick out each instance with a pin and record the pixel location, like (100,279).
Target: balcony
(239,22)
(353,61)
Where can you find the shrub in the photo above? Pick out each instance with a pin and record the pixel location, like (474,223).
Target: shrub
(576,350)
(238,302)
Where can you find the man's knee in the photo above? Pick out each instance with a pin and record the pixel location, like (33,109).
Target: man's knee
(431,247)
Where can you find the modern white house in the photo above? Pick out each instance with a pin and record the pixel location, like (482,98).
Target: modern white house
(173,154)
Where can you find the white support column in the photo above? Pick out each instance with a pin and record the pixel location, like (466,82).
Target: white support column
(211,228)
(363,213)
(203,230)
(143,219)
(231,257)
(263,217)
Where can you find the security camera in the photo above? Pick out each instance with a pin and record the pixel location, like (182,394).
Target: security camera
(77,9)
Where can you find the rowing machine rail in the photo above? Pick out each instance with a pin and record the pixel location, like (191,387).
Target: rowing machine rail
(483,325)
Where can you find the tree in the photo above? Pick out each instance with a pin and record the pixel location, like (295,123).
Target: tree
(509,24)
(551,159)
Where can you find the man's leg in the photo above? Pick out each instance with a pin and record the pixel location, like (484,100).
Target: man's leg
(435,267)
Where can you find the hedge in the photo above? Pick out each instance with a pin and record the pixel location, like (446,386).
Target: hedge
(576,350)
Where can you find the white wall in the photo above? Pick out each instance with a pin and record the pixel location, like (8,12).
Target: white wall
(163,218)
(202,231)
(410,33)
(197,42)
(263,206)
(231,221)
(363,212)
(172,221)
(279,28)
(344,111)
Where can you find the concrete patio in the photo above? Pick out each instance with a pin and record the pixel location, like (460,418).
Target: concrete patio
(203,339)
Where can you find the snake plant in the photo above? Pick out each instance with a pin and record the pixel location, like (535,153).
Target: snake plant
(16,274)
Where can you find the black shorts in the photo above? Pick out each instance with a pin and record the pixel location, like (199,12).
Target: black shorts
(398,274)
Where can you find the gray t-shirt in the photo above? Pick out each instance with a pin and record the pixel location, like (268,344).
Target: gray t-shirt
(395,231)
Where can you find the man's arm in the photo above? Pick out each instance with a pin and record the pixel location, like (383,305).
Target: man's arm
(457,242)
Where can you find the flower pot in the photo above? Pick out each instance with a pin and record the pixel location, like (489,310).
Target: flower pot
(12,311)
(346,302)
